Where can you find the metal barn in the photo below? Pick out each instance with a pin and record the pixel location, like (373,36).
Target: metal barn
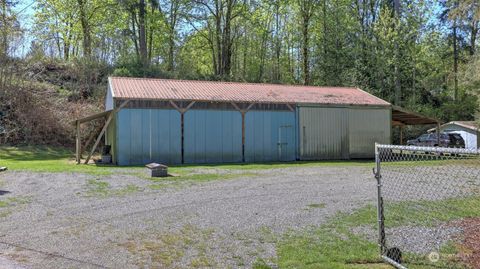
(179,121)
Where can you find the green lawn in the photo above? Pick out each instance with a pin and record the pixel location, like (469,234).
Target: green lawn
(333,245)
(53,159)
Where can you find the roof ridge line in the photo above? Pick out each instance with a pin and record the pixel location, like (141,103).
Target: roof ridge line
(240,82)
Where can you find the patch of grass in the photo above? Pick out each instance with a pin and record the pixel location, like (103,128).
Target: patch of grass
(320,205)
(333,245)
(99,188)
(260,264)
(46,159)
(418,213)
(326,247)
(201,262)
(12,201)
(166,249)
(8,205)
(61,160)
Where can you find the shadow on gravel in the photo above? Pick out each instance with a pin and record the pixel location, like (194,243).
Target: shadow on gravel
(4,192)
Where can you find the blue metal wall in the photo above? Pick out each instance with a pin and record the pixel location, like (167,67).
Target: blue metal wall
(212,136)
(148,135)
(270,136)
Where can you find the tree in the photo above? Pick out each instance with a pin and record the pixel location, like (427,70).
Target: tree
(218,17)
(307,9)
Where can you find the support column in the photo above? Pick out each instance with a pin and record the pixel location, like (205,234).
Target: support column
(182,136)
(401,134)
(182,111)
(243,112)
(438,134)
(243,135)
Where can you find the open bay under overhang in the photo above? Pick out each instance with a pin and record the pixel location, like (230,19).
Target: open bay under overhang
(402,117)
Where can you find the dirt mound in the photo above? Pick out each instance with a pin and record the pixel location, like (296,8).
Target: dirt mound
(39,100)
(470,248)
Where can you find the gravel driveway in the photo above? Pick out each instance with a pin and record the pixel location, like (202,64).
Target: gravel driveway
(52,220)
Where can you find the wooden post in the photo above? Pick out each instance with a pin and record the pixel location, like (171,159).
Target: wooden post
(243,112)
(438,134)
(104,129)
(243,135)
(401,134)
(182,124)
(182,134)
(78,148)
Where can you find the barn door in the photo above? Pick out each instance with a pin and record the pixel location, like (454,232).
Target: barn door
(285,134)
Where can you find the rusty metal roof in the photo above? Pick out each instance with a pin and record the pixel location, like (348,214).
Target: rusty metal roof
(214,91)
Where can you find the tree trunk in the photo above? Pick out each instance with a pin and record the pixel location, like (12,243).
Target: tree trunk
(151,30)
(142,33)
(455,60)
(398,87)
(305,56)
(134,34)
(4,41)
(473,36)
(87,40)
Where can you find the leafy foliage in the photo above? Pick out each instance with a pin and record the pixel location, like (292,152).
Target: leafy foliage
(418,54)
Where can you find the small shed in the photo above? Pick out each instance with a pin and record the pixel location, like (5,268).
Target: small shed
(469,130)
(180,121)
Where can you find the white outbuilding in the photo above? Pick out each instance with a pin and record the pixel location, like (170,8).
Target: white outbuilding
(469,130)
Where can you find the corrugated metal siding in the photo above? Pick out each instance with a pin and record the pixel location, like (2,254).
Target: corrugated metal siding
(269,136)
(212,136)
(323,133)
(368,126)
(148,135)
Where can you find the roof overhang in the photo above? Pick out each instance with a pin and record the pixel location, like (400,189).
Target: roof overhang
(402,116)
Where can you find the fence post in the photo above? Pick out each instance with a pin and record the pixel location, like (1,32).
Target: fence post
(380,216)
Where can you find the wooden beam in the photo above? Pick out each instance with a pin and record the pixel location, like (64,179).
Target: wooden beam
(104,129)
(245,110)
(182,110)
(290,107)
(397,123)
(90,138)
(175,105)
(189,106)
(92,117)
(236,106)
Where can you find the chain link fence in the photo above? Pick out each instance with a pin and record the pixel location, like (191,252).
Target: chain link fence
(428,206)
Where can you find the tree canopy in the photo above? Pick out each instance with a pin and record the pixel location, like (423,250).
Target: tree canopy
(418,54)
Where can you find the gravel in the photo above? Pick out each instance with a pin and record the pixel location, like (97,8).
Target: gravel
(62,220)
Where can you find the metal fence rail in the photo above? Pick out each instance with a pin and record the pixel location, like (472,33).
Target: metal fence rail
(428,206)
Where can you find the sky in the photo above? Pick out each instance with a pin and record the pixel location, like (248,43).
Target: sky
(25,11)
